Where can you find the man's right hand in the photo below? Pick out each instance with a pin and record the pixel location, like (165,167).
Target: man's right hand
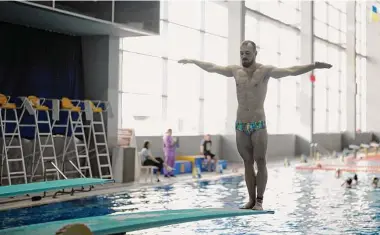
(184,61)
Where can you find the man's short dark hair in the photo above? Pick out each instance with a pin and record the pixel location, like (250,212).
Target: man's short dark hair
(247,42)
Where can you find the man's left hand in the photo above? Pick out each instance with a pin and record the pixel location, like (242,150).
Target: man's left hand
(322,65)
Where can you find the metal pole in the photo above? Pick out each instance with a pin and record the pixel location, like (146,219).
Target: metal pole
(312,74)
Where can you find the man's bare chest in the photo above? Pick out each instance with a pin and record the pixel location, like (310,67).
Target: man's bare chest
(249,79)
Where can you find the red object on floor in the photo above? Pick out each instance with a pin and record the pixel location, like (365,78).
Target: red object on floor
(312,78)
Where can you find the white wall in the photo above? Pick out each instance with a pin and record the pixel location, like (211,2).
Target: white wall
(373,74)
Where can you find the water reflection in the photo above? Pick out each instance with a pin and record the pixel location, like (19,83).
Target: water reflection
(305,203)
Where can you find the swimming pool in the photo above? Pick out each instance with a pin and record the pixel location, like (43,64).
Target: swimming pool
(305,203)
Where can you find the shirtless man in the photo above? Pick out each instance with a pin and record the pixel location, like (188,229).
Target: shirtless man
(251,134)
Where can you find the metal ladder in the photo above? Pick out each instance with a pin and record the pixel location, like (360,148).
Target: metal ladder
(74,124)
(100,142)
(10,144)
(48,144)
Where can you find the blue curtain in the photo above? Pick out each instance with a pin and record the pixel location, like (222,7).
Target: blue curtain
(40,63)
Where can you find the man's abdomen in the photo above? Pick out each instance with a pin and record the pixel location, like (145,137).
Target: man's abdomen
(246,114)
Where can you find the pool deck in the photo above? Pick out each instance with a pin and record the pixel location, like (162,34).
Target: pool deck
(233,170)
(24,201)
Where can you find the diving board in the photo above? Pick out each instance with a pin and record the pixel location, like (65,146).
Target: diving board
(128,222)
(41,187)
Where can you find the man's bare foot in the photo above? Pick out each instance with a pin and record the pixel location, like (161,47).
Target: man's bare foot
(248,206)
(258,206)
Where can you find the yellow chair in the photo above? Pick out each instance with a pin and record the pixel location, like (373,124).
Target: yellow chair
(67,104)
(95,109)
(4,103)
(36,103)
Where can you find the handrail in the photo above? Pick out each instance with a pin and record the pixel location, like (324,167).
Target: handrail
(60,172)
(76,168)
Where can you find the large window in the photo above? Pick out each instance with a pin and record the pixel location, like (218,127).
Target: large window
(329,99)
(329,88)
(285,11)
(330,21)
(187,13)
(251,28)
(215,86)
(147,45)
(138,79)
(281,102)
(216,18)
(183,42)
(142,112)
(361,26)
(320,89)
(168,94)
(141,92)
(183,98)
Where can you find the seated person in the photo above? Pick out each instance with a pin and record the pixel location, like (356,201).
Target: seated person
(375,182)
(206,151)
(148,160)
(348,183)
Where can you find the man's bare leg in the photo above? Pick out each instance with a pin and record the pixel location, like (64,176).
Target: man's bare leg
(245,148)
(216,164)
(259,141)
(250,181)
(209,163)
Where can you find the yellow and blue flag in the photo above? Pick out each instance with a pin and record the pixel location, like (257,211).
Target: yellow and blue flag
(374,14)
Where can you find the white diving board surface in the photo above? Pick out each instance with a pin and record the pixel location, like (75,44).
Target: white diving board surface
(128,222)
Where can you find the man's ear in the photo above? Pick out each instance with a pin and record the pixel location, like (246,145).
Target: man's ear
(255,53)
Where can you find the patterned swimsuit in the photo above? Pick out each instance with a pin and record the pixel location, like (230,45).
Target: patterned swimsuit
(250,127)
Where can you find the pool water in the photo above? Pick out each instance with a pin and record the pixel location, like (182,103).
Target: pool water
(305,203)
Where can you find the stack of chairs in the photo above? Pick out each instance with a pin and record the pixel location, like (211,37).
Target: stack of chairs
(49,139)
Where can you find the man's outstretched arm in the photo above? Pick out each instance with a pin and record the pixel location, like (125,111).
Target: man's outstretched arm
(210,67)
(297,70)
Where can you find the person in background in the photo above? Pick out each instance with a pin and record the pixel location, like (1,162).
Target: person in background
(206,145)
(148,160)
(375,182)
(348,183)
(338,173)
(170,145)
(356,179)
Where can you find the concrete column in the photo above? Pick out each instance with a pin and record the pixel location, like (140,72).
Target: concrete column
(201,116)
(101,77)
(305,95)
(373,71)
(236,22)
(350,72)
(164,33)
(114,119)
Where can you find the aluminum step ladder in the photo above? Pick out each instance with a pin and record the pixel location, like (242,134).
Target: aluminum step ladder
(48,144)
(100,142)
(11,142)
(97,137)
(81,149)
